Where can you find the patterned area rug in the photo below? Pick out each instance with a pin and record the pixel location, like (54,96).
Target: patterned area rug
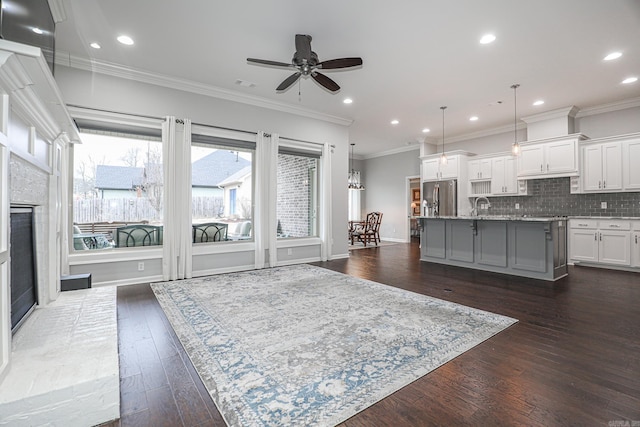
(306,346)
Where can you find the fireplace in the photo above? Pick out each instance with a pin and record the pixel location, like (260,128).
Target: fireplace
(24,293)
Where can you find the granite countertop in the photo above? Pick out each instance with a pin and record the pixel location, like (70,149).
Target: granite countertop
(605,217)
(498,218)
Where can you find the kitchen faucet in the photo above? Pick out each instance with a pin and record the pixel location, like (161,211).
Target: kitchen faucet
(474,211)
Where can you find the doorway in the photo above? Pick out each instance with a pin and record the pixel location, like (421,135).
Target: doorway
(414,198)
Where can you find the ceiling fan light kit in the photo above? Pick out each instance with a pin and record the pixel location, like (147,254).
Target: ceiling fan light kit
(306,64)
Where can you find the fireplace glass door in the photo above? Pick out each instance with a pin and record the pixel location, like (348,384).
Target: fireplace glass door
(23,265)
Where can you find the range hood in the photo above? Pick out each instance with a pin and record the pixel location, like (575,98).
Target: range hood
(551,124)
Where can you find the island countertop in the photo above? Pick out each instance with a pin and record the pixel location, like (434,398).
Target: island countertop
(499,218)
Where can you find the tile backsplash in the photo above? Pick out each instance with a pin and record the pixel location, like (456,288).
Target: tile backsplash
(552,197)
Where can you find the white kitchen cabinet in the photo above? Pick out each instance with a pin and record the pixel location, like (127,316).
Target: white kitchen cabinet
(583,240)
(504,178)
(600,241)
(631,160)
(601,167)
(480,169)
(549,159)
(433,169)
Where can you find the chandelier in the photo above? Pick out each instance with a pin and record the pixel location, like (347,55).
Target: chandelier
(354,176)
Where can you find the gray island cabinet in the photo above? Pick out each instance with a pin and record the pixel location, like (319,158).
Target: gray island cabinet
(520,246)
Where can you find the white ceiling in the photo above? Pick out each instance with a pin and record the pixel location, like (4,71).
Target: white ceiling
(418,55)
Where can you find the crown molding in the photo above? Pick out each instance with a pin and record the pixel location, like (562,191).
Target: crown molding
(116,70)
(413,147)
(609,108)
(57,10)
(559,113)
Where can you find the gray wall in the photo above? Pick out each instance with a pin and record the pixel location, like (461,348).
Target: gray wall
(386,191)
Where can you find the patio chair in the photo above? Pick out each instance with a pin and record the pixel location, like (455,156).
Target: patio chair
(209,232)
(138,235)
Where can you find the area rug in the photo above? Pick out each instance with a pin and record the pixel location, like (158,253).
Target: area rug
(306,346)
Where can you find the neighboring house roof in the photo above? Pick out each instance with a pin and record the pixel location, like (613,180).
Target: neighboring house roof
(118,177)
(209,171)
(237,178)
(213,169)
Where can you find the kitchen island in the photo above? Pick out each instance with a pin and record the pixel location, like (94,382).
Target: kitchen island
(520,246)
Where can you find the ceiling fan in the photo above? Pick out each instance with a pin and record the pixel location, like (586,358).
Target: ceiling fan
(305,61)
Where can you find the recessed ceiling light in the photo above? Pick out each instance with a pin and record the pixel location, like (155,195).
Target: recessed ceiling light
(245,83)
(487,38)
(426,130)
(37,30)
(125,40)
(538,102)
(473,118)
(613,55)
(394,122)
(95,45)
(630,80)
(347,100)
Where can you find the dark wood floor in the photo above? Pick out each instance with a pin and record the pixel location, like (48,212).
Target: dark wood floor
(573,358)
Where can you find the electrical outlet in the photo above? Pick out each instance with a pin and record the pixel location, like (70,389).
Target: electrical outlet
(141,266)
(603,205)
(289,251)
(517,205)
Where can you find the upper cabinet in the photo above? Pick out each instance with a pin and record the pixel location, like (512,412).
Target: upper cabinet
(480,169)
(504,180)
(601,169)
(434,170)
(631,163)
(609,165)
(549,158)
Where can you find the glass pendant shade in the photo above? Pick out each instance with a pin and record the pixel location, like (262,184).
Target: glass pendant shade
(354,175)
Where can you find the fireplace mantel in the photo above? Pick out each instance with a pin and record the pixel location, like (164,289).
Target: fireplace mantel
(35,132)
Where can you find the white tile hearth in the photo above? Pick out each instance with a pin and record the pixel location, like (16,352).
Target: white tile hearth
(64,363)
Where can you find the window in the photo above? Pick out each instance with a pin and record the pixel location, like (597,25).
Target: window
(221,189)
(118,189)
(297,192)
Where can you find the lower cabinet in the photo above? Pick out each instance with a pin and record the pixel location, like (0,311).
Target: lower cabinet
(433,238)
(603,241)
(460,240)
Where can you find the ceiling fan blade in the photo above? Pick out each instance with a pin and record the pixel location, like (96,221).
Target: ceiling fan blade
(267,62)
(303,46)
(332,64)
(288,81)
(325,81)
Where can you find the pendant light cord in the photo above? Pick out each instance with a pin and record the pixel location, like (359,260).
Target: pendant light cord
(515,118)
(443,157)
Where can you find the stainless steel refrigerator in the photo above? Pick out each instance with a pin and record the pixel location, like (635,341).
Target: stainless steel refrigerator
(441,198)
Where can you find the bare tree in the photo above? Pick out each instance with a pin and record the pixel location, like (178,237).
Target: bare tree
(84,180)
(131,157)
(152,180)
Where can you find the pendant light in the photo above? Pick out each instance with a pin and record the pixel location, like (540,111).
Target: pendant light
(443,157)
(515,147)
(354,177)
